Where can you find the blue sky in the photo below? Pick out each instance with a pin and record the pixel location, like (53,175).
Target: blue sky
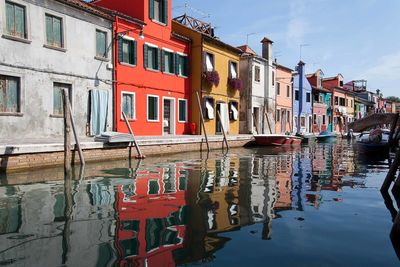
(358,38)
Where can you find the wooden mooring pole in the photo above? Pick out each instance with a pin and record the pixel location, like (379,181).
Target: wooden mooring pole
(223,132)
(202,121)
(140,154)
(77,143)
(67,132)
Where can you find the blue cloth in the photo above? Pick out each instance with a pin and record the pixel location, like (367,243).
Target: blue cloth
(99,108)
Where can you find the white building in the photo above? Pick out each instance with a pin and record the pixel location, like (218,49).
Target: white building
(48,45)
(257,99)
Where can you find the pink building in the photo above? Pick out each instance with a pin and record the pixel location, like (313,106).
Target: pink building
(284,102)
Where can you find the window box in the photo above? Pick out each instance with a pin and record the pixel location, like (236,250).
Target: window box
(211,77)
(236,83)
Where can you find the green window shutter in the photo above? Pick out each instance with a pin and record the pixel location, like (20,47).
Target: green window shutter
(57,101)
(158,57)
(20,21)
(10,18)
(120,50)
(101,44)
(134,53)
(163,60)
(151,9)
(12,104)
(186,68)
(57,31)
(165,11)
(172,62)
(49,30)
(176,63)
(145,56)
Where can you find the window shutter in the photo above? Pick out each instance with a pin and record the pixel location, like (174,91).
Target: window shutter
(145,56)
(135,53)
(12,95)
(204,61)
(57,32)
(186,69)
(151,9)
(229,69)
(10,18)
(163,60)
(158,65)
(120,50)
(20,21)
(176,63)
(165,11)
(49,30)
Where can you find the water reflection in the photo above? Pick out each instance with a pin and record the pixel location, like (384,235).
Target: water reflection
(175,212)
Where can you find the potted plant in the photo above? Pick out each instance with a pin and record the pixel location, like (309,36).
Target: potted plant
(236,83)
(212,77)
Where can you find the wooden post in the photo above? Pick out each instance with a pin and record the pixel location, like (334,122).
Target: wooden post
(269,125)
(392,172)
(202,121)
(223,132)
(78,145)
(140,155)
(393,129)
(67,133)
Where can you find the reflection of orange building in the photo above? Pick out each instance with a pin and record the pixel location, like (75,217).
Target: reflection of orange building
(152,215)
(284,181)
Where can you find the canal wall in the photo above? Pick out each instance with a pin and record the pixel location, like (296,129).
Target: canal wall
(16,158)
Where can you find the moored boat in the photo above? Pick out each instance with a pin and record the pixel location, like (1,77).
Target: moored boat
(277,140)
(374,141)
(326,136)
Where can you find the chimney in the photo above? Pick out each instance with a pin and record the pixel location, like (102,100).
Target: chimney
(267,49)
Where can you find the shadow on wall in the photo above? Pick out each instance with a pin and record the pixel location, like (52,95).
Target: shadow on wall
(4,159)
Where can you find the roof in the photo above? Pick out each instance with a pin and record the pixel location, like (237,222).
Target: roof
(111,12)
(86,7)
(321,89)
(266,40)
(247,49)
(283,67)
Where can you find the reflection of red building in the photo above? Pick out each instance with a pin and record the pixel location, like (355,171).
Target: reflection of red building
(152,215)
(152,76)
(284,182)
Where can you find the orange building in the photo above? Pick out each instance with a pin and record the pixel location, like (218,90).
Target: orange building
(284,101)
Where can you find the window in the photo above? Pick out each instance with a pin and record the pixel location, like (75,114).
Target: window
(342,102)
(341,84)
(154,187)
(336,100)
(15,15)
(183,110)
(209,108)
(347,102)
(58,109)
(302,121)
(257,74)
(129,105)
(127,50)
(287,91)
(316,97)
(233,111)
(315,118)
(323,119)
(273,78)
(288,116)
(278,115)
(101,44)
(152,108)
(308,97)
(182,63)
(54,31)
(209,61)
(151,57)
(320,99)
(10,92)
(168,65)
(233,70)
(278,88)
(296,95)
(159,10)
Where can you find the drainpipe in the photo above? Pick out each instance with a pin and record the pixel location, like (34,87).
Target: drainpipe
(201,83)
(114,62)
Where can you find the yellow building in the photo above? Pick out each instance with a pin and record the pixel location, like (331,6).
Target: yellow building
(210,59)
(350,101)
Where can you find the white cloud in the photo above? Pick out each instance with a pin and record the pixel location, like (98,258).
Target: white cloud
(387,67)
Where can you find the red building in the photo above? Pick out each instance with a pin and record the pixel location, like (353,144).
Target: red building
(152,218)
(151,68)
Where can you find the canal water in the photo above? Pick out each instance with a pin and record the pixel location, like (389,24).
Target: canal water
(318,205)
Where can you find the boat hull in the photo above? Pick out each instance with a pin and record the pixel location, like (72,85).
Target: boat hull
(277,140)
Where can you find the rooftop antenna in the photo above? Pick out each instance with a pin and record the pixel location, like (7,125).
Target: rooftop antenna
(247,37)
(301,48)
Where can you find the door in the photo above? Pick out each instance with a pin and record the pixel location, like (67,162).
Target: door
(223,118)
(98,111)
(256,120)
(283,121)
(168,116)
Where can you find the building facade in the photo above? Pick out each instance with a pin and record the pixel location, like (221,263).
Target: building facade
(51,46)
(284,100)
(302,104)
(254,109)
(215,78)
(151,68)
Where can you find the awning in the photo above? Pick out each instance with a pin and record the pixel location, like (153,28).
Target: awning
(235,112)
(209,110)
